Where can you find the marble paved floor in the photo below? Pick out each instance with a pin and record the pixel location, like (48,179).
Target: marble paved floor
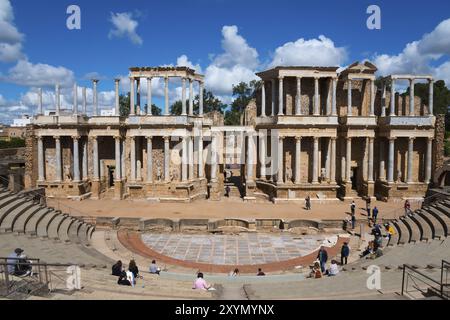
(242,249)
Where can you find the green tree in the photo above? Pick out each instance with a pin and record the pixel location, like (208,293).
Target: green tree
(124,106)
(210,103)
(243,93)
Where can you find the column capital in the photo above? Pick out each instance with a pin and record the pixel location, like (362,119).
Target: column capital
(298,138)
(333,138)
(430,139)
(371,139)
(117,137)
(299,77)
(166,138)
(116,80)
(430,81)
(149,78)
(149,137)
(281,138)
(392,138)
(77,137)
(411,138)
(93,138)
(315,138)
(57,137)
(95,81)
(280,78)
(316,78)
(40,138)
(349,138)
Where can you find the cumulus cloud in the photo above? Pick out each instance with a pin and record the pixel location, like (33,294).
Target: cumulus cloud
(183,61)
(10,38)
(419,56)
(314,52)
(124,26)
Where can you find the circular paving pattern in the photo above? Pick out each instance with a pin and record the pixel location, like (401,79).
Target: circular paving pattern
(242,249)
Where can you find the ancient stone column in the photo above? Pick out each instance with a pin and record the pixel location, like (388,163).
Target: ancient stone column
(391,160)
(132,106)
(431,96)
(333,160)
(298,161)
(117,104)
(349,97)
(149,96)
(184,159)
(333,99)
(250,162)
(183,97)
(280,96)
(95,97)
(84,101)
(348,161)
(280,178)
(200,99)
(263,99)
(191,97)
(95,158)
(383,101)
(370,174)
(410,160)
(411,97)
(428,160)
(57,100)
(58,168)
(138,96)
(328,159)
(133,158)
(75,99)
(41,176)
(201,167)
(214,157)
(76,159)
(149,159)
(166,96)
(316,97)
(123,171)
(316,160)
(118,158)
(273,97)
(191,157)
(41,110)
(167,159)
(392,111)
(262,156)
(298,100)
(373,94)
(382,175)
(84,160)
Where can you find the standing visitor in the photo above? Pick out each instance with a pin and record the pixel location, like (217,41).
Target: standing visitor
(353,221)
(323,257)
(368,201)
(375,214)
(353,207)
(345,252)
(308,202)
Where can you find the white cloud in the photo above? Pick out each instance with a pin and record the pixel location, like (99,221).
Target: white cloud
(124,26)
(28,74)
(10,38)
(183,61)
(314,52)
(2,100)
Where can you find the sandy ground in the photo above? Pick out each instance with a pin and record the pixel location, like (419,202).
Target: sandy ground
(223,209)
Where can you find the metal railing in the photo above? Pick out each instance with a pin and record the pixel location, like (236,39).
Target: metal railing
(422,283)
(445,285)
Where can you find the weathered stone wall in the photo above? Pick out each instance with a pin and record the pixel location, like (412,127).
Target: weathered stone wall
(438,145)
(30,155)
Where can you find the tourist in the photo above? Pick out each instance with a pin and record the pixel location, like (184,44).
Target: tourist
(133,268)
(390,231)
(234,273)
(316,271)
(123,279)
(375,214)
(18,264)
(117,269)
(323,257)
(352,207)
(154,269)
(353,221)
(260,273)
(368,207)
(345,252)
(376,231)
(334,269)
(378,242)
(407,207)
(200,283)
(369,250)
(308,202)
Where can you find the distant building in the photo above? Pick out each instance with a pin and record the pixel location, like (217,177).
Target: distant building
(108,112)
(22,122)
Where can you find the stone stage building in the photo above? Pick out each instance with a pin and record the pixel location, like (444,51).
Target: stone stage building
(309,131)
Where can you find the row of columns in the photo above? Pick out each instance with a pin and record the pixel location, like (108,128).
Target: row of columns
(298,102)
(135,89)
(372,97)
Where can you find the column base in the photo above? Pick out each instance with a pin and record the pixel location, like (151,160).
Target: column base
(95,189)
(118,190)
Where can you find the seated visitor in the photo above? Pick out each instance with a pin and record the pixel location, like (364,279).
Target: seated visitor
(123,279)
(132,267)
(18,264)
(368,250)
(334,270)
(260,272)
(200,283)
(117,269)
(316,271)
(390,231)
(234,273)
(154,269)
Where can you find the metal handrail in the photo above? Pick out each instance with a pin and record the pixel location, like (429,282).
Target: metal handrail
(447,266)
(414,271)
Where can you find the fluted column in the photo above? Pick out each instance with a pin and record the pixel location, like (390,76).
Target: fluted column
(166,96)
(214,158)
(84,101)
(333,97)
(316,97)
(191,157)
(349,97)
(191,97)
(273,97)
(411,96)
(316,160)
(123,171)
(117,100)
(409,174)
(348,161)
(58,159)
(132,92)
(373,94)
(431,96)
(75,99)
(392,111)
(370,174)
(167,159)
(133,158)
(391,160)
(149,96)
(95,96)
(138,96)
(41,175)
(263,99)
(298,161)
(262,156)
(428,162)
(280,178)
(200,98)
(382,173)
(298,98)
(201,168)
(95,159)
(280,96)
(333,160)
(383,100)
(40,107)
(184,159)
(118,159)
(250,156)
(183,97)
(57,100)
(84,159)
(76,159)
(149,159)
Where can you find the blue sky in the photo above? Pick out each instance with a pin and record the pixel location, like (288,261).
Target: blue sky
(227,40)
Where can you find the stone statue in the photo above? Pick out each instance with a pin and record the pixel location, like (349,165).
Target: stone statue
(158,172)
(323,175)
(67,173)
(288,174)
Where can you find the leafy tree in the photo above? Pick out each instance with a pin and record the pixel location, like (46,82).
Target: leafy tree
(441,98)
(12,143)
(124,104)
(243,93)
(210,103)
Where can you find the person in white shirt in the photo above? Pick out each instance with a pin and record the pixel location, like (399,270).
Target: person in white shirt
(334,269)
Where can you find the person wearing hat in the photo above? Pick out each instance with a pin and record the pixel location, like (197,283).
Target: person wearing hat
(18,264)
